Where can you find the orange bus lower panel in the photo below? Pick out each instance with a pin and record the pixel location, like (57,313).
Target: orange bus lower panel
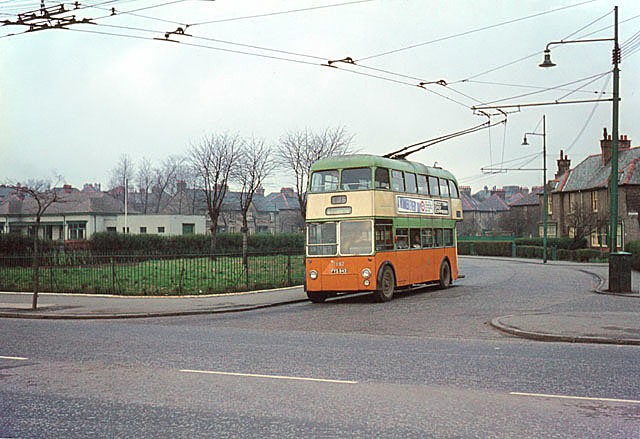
(344,273)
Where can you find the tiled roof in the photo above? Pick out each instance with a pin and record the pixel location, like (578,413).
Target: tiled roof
(493,204)
(77,202)
(468,202)
(531,199)
(592,174)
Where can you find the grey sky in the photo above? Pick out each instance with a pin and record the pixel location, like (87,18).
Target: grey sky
(73,101)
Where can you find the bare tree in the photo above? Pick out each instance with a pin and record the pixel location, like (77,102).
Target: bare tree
(41,195)
(122,174)
(299,149)
(212,160)
(145,181)
(165,178)
(254,166)
(583,221)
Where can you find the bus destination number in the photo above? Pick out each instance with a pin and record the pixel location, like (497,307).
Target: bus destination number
(338,270)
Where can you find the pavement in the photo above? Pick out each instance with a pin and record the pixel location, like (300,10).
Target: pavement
(603,327)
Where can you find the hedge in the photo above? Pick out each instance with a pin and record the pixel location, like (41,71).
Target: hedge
(560,243)
(485,248)
(18,244)
(196,244)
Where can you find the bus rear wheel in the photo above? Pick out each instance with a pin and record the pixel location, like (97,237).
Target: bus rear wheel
(317,296)
(386,286)
(445,275)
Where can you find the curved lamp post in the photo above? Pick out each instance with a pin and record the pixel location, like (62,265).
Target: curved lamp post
(615,135)
(544,184)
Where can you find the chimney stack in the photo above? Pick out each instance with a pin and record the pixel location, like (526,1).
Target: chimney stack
(605,145)
(564,164)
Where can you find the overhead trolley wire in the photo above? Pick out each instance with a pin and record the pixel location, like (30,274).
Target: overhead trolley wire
(504,23)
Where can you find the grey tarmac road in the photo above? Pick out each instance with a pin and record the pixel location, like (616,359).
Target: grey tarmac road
(424,365)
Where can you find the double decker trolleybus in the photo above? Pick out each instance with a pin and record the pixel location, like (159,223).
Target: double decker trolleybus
(376,224)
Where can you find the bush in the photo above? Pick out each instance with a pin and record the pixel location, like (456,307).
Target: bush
(113,243)
(464,247)
(561,243)
(18,244)
(530,251)
(586,254)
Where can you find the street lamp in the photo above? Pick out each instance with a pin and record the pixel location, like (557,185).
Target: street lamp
(614,141)
(619,271)
(544,184)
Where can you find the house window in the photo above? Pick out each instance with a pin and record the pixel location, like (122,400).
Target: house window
(111,229)
(143,230)
(549,204)
(77,231)
(552,230)
(161,229)
(188,229)
(594,201)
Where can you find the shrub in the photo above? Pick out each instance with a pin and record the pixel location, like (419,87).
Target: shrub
(18,244)
(586,254)
(112,243)
(530,251)
(560,243)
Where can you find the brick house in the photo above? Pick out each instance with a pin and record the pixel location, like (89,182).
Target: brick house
(579,198)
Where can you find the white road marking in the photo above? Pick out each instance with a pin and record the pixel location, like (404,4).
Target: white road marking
(278,377)
(2,357)
(583,398)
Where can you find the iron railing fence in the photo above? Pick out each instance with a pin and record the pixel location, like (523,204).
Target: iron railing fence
(85,272)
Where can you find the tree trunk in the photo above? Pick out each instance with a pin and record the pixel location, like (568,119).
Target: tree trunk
(36,264)
(245,243)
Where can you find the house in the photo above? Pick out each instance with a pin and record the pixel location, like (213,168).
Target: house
(525,213)
(579,198)
(79,214)
(277,212)
(482,212)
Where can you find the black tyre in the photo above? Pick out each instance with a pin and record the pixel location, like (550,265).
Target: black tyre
(317,296)
(386,285)
(445,275)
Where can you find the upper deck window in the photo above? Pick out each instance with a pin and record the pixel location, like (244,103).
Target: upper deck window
(453,189)
(324,181)
(397,181)
(423,188)
(434,186)
(382,178)
(410,182)
(356,179)
(444,188)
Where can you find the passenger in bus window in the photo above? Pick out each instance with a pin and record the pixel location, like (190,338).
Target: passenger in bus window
(415,238)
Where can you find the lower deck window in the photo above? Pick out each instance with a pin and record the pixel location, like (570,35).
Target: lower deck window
(322,239)
(355,238)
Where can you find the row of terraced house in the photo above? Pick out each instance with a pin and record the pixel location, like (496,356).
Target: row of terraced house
(578,201)
(82,212)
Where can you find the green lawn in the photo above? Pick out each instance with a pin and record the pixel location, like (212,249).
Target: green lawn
(200,275)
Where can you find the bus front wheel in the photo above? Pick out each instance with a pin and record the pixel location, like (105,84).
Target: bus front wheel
(386,285)
(317,296)
(445,275)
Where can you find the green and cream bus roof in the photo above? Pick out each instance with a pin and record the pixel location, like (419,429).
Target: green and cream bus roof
(369,160)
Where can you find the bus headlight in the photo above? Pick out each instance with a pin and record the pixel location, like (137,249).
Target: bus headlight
(313,274)
(366,273)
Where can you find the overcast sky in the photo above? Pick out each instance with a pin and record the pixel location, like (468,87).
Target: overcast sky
(74,101)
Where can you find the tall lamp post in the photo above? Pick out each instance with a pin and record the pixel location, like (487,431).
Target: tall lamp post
(613,182)
(544,184)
